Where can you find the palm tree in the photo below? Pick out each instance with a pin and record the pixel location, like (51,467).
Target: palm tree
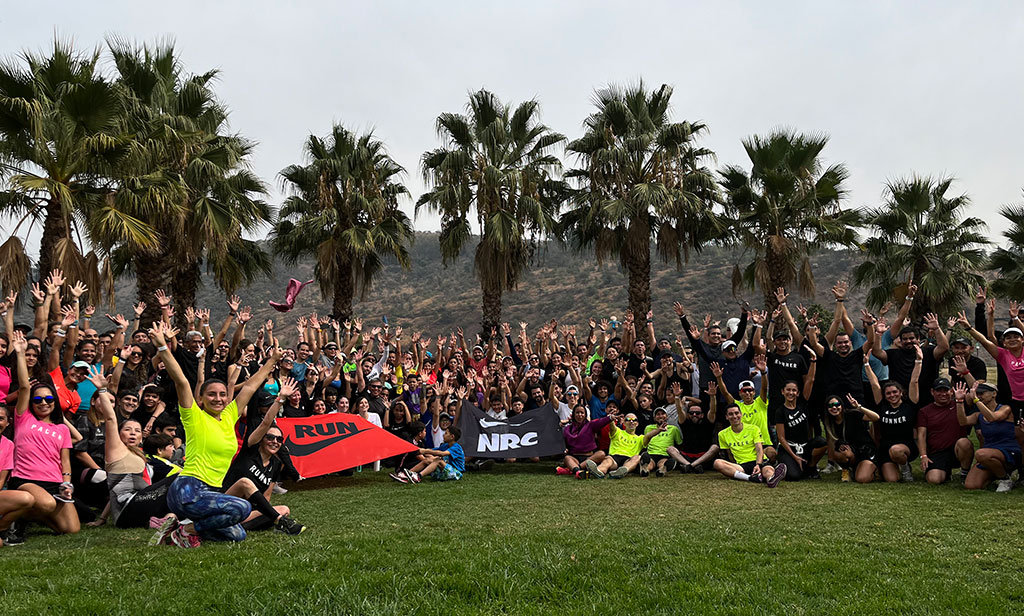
(1009,261)
(496,164)
(641,180)
(343,212)
(787,205)
(68,160)
(219,200)
(919,234)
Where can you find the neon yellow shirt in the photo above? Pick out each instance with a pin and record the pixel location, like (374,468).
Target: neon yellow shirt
(212,443)
(625,444)
(756,414)
(659,443)
(741,443)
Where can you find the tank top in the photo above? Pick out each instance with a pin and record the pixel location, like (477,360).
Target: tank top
(125,477)
(998,434)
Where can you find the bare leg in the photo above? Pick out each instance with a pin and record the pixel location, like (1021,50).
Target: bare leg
(865,472)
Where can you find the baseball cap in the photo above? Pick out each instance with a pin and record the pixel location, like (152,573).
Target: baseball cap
(781,334)
(749,384)
(331,345)
(572,389)
(982,387)
(728,344)
(963,341)
(80,364)
(444,416)
(942,383)
(264,398)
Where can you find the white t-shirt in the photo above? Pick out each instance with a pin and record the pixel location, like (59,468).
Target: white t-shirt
(374,418)
(493,415)
(564,412)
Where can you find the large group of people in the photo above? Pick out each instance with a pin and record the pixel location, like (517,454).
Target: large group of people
(146,425)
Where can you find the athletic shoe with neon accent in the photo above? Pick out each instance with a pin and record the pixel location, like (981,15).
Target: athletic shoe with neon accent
(288,526)
(594,471)
(155,522)
(185,540)
(780,474)
(561,470)
(164,530)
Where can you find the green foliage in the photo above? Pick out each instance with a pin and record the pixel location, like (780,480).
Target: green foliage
(786,206)
(920,233)
(496,164)
(1008,262)
(342,211)
(642,181)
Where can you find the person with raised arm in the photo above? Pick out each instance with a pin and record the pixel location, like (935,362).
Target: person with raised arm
(799,448)
(1010,357)
(42,457)
(212,444)
(897,426)
(1001,453)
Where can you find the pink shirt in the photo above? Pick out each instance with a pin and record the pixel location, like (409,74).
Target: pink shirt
(6,454)
(5,381)
(1014,369)
(37,448)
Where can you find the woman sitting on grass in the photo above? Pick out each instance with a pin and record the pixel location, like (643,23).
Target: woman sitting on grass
(42,458)
(581,442)
(257,469)
(897,427)
(212,444)
(134,498)
(799,449)
(1001,453)
(850,444)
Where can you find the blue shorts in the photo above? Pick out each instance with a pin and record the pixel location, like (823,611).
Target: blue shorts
(1011,455)
(446,473)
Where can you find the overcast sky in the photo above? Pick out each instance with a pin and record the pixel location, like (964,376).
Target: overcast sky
(901,87)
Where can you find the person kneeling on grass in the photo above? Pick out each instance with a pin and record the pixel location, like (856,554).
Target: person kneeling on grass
(446,463)
(745,444)
(623,450)
(257,469)
(1001,453)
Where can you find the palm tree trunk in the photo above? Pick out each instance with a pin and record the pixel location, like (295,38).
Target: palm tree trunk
(491,309)
(341,307)
(638,269)
(183,286)
(54,230)
(151,273)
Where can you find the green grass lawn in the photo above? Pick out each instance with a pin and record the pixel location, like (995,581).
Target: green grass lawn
(519,540)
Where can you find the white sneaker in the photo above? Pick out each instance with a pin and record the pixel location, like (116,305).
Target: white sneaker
(279,489)
(830,468)
(1004,485)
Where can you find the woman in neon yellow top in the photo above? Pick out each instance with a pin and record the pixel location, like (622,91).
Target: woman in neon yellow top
(212,444)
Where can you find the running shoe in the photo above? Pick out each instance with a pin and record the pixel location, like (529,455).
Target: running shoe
(400,478)
(407,474)
(830,468)
(845,476)
(594,471)
(671,465)
(15,535)
(906,474)
(619,473)
(561,470)
(164,531)
(644,472)
(416,477)
(780,474)
(185,540)
(697,468)
(279,489)
(1004,485)
(581,474)
(155,522)
(659,473)
(288,525)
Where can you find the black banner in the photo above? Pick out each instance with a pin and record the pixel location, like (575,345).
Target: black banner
(530,434)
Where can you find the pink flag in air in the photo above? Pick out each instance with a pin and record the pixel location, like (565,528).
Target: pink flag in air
(290,295)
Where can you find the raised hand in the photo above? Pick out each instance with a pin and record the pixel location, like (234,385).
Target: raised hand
(761,363)
(712,388)
(960,391)
(931,321)
(244,315)
(78,289)
(234,302)
(707,321)
(54,282)
(18,342)
(190,315)
(990,308)
(69,316)
(960,364)
(853,401)
(866,317)
(162,298)
(38,294)
(1014,309)
(204,315)
(840,289)
(156,334)
(980,296)
(911,290)
(97,378)
(962,319)
(139,308)
(118,320)
(678,309)
(716,369)
(781,295)
(288,386)
(951,322)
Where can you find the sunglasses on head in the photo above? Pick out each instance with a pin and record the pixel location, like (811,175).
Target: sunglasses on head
(270,438)
(42,400)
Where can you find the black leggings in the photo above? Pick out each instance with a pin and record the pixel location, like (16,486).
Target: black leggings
(793,471)
(149,502)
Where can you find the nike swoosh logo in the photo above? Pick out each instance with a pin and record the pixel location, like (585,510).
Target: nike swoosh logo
(493,424)
(305,449)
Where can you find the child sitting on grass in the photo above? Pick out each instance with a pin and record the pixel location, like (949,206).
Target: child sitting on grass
(446,463)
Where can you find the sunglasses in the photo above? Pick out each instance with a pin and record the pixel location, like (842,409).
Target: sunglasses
(632,419)
(42,400)
(134,354)
(273,439)
(834,405)
(696,412)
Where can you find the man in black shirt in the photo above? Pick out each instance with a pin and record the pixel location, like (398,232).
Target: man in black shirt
(971,364)
(711,351)
(784,365)
(901,360)
(700,447)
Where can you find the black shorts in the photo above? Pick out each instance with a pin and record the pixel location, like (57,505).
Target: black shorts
(748,467)
(882,454)
(943,460)
(620,460)
(50,487)
(658,457)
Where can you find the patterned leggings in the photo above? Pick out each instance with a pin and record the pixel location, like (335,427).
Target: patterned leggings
(216,516)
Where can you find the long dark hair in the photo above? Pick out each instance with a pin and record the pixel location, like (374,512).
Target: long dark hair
(57,415)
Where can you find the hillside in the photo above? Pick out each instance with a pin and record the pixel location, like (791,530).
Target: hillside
(562,285)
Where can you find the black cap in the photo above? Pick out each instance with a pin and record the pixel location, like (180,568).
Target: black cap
(942,383)
(963,341)
(264,398)
(781,334)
